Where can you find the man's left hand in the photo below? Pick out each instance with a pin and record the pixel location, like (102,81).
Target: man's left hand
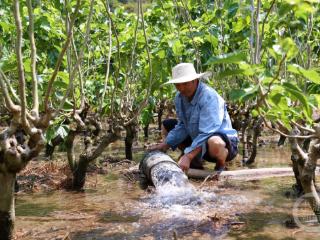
(184,162)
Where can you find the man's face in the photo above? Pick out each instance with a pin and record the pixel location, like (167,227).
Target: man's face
(187,89)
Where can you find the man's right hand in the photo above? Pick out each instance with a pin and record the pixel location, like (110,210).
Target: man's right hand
(158,146)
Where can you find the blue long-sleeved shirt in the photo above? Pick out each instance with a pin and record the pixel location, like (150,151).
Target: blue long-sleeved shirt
(204,115)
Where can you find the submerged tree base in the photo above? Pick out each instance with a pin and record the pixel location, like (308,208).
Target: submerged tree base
(6,225)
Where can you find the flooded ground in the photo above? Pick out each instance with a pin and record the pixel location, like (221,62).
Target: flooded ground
(111,207)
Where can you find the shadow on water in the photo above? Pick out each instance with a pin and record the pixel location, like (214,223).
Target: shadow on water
(26,208)
(36,207)
(176,228)
(255,224)
(269,218)
(113,217)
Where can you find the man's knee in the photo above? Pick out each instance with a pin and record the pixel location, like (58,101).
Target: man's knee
(216,145)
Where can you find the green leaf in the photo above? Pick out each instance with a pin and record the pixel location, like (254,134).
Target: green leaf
(298,94)
(317,98)
(161,54)
(243,94)
(235,57)
(68,106)
(177,48)
(239,25)
(289,47)
(213,40)
(5,27)
(229,72)
(27,65)
(311,74)
(279,101)
(236,94)
(254,113)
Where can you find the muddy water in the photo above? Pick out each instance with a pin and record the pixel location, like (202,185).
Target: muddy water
(114,208)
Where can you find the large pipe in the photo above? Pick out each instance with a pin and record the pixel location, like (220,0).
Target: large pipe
(172,185)
(157,168)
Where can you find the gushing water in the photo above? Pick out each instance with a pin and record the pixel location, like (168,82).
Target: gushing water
(175,203)
(173,187)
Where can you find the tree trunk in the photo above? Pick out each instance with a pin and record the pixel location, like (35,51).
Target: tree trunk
(130,135)
(7,212)
(79,167)
(307,178)
(146,131)
(297,187)
(244,139)
(79,173)
(160,113)
(256,131)
(298,164)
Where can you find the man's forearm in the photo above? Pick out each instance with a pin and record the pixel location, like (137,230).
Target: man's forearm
(191,155)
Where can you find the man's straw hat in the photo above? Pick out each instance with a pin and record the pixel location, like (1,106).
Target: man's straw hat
(185,72)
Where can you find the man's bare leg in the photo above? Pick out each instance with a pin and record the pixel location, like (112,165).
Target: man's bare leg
(217,149)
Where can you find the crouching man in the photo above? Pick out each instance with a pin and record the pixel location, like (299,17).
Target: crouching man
(203,130)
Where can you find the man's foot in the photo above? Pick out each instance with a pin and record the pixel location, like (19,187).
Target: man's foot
(219,169)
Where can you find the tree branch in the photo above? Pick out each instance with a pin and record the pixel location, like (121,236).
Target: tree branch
(9,103)
(106,4)
(303,128)
(251,41)
(11,90)
(141,106)
(257,48)
(22,85)
(189,23)
(76,67)
(284,134)
(35,96)
(264,22)
(60,58)
(108,66)
(129,77)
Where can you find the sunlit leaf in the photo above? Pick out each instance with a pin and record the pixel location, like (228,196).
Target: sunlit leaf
(177,48)
(311,74)
(289,47)
(235,57)
(292,89)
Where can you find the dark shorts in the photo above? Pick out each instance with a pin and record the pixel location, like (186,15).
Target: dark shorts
(231,142)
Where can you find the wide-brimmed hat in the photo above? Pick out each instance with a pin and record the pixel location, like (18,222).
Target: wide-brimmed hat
(185,72)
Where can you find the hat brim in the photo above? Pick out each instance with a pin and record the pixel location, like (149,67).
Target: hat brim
(188,78)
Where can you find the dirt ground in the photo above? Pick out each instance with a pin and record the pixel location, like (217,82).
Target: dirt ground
(42,176)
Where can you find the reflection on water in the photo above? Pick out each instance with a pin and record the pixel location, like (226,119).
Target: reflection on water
(116,209)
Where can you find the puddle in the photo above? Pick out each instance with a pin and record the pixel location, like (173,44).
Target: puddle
(116,209)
